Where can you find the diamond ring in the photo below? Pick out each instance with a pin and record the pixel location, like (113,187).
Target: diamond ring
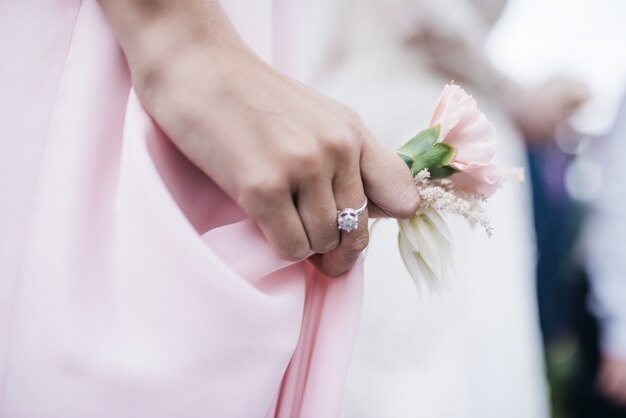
(348,218)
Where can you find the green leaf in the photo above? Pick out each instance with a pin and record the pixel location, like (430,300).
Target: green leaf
(442,172)
(407,160)
(420,142)
(438,155)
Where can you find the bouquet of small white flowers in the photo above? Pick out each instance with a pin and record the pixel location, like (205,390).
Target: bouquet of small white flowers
(451,164)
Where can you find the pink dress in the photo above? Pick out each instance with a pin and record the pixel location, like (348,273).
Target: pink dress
(130,285)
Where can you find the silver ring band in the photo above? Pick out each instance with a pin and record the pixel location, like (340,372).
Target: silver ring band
(348,218)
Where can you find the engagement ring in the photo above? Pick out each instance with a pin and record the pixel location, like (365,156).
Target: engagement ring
(348,218)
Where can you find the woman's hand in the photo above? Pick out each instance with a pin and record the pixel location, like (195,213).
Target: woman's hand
(288,155)
(612,378)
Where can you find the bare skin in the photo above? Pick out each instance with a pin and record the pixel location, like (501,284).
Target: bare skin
(288,155)
(612,378)
(538,111)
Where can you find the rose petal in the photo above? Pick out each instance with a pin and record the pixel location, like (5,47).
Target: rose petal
(474,138)
(481,179)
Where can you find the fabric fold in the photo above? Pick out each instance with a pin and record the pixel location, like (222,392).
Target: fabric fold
(141,288)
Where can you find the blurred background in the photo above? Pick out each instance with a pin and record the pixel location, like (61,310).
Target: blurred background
(534,324)
(573,194)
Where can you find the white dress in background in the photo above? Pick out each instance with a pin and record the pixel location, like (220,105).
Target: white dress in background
(473,351)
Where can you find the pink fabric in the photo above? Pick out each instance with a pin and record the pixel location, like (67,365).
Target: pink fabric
(130,285)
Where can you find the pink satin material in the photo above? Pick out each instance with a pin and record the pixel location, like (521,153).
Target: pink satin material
(130,284)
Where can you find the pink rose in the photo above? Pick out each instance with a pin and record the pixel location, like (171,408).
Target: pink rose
(473,137)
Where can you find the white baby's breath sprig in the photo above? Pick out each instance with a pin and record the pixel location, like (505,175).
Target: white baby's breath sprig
(442,196)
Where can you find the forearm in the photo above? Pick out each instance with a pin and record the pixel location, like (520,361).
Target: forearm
(452,34)
(465,61)
(152,32)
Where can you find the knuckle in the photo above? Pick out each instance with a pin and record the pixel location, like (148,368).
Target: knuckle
(307,163)
(359,244)
(261,189)
(297,251)
(356,122)
(304,157)
(352,116)
(335,272)
(340,145)
(327,245)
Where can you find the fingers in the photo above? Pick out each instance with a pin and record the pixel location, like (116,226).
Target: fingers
(274,211)
(388,181)
(349,193)
(570,92)
(318,212)
(352,166)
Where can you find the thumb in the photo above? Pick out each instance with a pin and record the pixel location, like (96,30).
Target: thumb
(387,181)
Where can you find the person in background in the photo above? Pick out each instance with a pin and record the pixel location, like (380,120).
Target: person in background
(475,351)
(606,267)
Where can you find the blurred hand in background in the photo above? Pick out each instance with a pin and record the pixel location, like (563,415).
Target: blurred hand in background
(612,378)
(539,110)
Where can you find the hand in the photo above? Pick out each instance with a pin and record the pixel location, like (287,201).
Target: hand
(612,379)
(288,155)
(538,111)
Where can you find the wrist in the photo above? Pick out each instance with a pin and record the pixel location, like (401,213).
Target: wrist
(155,33)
